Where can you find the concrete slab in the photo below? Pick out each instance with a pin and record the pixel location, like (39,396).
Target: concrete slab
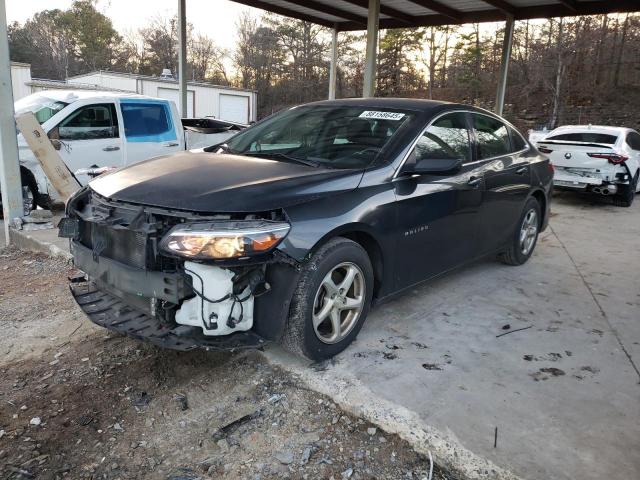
(564,394)
(45,241)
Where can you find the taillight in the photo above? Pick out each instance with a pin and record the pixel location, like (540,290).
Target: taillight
(552,168)
(545,150)
(611,157)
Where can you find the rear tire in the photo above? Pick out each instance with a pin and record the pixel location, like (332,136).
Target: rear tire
(324,299)
(626,194)
(525,236)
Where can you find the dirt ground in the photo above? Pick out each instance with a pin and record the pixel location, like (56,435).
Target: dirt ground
(77,401)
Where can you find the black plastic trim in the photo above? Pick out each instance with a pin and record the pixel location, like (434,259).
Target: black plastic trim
(110,312)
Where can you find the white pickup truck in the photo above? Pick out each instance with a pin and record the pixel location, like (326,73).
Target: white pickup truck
(93,129)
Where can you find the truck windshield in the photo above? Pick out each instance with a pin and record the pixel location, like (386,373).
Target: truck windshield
(327,136)
(42,107)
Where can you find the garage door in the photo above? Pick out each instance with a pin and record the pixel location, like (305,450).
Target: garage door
(234,108)
(174,95)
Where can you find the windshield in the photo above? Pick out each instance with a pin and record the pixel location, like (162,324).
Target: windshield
(327,136)
(42,107)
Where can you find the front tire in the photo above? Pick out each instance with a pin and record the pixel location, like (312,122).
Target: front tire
(29,191)
(525,236)
(331,301)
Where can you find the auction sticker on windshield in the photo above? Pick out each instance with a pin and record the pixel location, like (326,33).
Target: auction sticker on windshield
(381,115)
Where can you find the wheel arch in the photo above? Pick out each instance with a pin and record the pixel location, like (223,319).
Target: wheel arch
(539,195)
(366,237)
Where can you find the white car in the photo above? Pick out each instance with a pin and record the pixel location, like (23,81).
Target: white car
(598,159)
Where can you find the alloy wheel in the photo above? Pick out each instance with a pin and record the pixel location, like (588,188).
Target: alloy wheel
(339,302)
(528,231)
(27,200)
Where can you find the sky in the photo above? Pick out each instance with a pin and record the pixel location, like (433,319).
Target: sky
(215,18)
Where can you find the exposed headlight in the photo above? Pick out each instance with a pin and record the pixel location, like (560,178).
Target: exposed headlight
(226,239)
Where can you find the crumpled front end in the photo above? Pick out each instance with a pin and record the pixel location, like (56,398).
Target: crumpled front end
(129,282)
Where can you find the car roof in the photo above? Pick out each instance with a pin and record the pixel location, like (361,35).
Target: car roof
(70,96)
(590,129)
(402,103)
(416,104)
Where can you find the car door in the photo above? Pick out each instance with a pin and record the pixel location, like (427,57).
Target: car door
(89,136)
(507,176)
(149,129)
(438,213)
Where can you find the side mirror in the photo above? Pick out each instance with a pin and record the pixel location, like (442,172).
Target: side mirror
(54,134)
(436,165)
(54,137)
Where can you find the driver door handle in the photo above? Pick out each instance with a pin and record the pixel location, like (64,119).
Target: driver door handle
(111,148)
(474,181)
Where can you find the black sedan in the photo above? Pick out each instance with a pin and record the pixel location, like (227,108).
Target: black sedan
(295,227)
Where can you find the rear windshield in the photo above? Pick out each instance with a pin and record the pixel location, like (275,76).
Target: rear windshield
(327,136)
(586,137)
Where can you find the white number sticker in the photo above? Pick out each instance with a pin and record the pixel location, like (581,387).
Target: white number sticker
(381,115)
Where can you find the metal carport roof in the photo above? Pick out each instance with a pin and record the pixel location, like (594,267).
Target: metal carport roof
(352,14)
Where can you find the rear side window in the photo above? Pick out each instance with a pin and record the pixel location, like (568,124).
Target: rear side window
(89,123)
(633,140)
(492,136)
(447,138)
(586,137)
(517,142)
(147,121)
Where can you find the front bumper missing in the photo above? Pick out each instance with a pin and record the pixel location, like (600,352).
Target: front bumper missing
(108,311)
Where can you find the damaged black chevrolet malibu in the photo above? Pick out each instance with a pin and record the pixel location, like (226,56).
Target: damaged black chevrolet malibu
(292,230)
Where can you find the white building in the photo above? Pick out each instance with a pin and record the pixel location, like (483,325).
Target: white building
(21,80)
(203,99)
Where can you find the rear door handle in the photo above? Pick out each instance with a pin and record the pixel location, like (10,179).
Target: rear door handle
(474,181)
(111,148)
(170,144)
(521,170)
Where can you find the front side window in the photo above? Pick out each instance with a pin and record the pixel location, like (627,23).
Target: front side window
(89,123)
(492,137)
(328,136)
(146,121)
(447,138)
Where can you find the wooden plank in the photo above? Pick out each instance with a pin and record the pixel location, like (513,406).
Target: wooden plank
(52,165)
(328,9)
(287,12)
(440,8)
(391,12)
(502,5)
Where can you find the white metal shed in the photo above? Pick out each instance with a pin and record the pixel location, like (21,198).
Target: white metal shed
(203,99)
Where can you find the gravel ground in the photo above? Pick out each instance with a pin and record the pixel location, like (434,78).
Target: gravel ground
(77,401)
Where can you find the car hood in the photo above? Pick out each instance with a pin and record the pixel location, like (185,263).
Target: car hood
(210,182)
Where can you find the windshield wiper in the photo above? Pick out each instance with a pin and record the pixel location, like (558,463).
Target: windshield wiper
(282,156)
(220,146)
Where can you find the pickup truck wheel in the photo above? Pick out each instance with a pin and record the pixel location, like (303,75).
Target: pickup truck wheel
(331,301)
(29,191)
(626,193)
(525,236)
